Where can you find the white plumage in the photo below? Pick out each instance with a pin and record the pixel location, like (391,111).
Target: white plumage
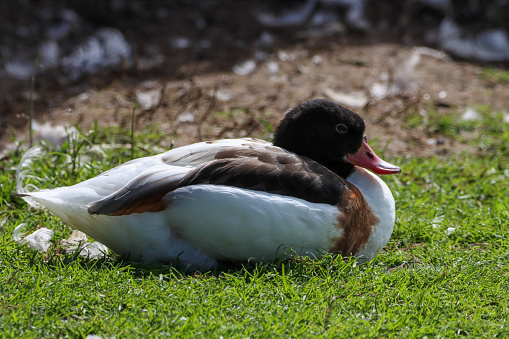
(203,222)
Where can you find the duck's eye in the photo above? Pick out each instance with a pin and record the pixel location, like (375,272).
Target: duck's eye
(341,128)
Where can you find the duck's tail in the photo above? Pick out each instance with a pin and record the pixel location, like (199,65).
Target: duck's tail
(23,172)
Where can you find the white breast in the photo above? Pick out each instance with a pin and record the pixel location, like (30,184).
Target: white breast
(380,200)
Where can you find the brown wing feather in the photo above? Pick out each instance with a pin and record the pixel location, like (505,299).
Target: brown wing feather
(268,169)
(142,194)
(274,172)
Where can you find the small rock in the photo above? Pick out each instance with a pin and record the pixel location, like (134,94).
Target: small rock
(55,135)
(78,241)
(148,99)
(490,45)
(293,16)
(266,40)
(245,68)
(19,69)
(106,48)
(353,99)
(75,239)
(435,141)
(379,91)
(286,56)
(180,43)
(272,67)
(94,250)
(316,59)
(186,117)
(471,115)
(223,95)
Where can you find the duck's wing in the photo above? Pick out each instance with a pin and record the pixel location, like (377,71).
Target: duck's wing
(206,151)
(265,168)
(270,169)
(143,193)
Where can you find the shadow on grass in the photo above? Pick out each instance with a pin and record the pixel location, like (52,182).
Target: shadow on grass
(294,265)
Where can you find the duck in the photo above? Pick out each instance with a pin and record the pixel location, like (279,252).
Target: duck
(314,190)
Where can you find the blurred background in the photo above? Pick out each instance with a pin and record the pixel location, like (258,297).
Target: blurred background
(205,69)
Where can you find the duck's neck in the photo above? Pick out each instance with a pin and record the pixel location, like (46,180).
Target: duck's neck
(343,169)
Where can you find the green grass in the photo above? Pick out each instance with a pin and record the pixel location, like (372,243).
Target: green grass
(494,74)
(444,273)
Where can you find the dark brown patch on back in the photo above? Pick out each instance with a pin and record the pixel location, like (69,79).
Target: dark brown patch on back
(357,221)
(154,203)
(145,193)
(274,171)
(148,203)
(235,153)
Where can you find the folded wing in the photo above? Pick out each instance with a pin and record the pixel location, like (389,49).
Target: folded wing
(268,169)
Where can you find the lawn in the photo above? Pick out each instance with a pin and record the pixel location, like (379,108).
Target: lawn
(444,272)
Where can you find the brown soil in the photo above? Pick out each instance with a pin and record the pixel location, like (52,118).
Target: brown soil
(200,101)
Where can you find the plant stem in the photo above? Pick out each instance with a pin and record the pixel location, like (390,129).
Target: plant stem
(132,132)
(31,105)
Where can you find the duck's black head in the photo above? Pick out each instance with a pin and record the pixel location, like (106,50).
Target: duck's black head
(329,134)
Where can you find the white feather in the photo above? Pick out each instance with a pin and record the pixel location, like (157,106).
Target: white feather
(23,170)
(203,223)
(39,240)
(228,222)
(380,200)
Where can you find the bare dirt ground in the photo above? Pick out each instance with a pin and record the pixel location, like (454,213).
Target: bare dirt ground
(224,104)
(196,96)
